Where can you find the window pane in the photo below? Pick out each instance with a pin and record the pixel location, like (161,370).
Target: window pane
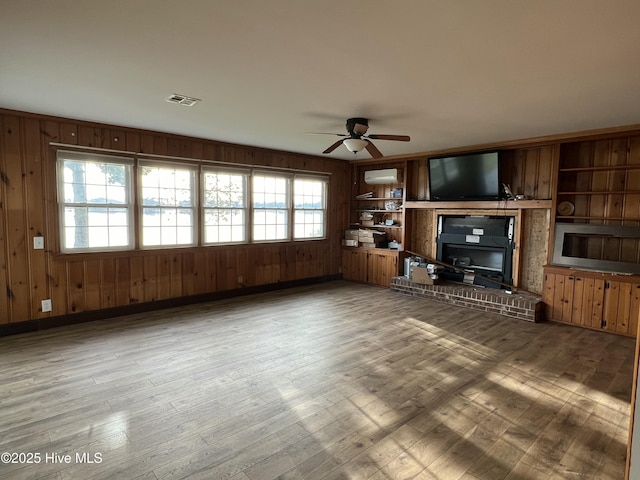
(90,184)
(271,207)
(171,191)
(309,208)
(224,199)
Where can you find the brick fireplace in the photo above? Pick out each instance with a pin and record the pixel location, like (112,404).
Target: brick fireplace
(520,305)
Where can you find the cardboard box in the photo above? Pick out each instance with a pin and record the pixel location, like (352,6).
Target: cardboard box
(351,235)
(421,275)
(364,234)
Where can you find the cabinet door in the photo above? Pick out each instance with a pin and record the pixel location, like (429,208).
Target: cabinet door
(592,302)
(354,265)
(553,296)
(381,267)
(621,305)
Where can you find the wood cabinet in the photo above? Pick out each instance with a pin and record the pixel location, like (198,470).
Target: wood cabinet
(601,301)
(375,265)
(354,264)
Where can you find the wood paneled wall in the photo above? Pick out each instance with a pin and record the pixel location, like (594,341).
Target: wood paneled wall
(529,172)
(89,282)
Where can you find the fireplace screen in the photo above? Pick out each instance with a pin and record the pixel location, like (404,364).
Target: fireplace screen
(475,257)
(478,244)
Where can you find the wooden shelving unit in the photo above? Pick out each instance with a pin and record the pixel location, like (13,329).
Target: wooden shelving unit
(376,265)
(599,182)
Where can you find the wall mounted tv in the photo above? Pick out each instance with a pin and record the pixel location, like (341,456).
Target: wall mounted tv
(474,176)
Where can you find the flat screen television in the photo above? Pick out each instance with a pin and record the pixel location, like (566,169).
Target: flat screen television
(474,176)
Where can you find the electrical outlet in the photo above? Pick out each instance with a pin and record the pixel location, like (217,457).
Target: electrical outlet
(46,305)
(38,243)
(240,279)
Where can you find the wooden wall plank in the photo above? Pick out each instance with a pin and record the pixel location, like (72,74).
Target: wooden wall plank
(545,173)
(150,278)
(33,163)
(108,283)
(92,284)
(199,272)
(163,276)
(123,281)
(17,243)
(75,289)
(6,313)
(136,279)
(175,275)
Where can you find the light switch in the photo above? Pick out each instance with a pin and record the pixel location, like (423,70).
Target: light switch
(38,243)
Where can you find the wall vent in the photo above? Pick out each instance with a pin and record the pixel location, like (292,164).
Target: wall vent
(182,100)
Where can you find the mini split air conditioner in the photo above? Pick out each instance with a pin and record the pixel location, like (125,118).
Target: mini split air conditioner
(376,177)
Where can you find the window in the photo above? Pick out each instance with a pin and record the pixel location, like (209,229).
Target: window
(168,208)
(309,204)
(119,203)
(271,204)
(224,201)
(96,203)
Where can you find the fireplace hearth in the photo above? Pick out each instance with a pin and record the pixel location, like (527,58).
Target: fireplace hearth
(481,247)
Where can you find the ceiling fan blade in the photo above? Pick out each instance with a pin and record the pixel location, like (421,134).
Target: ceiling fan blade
(400,138)
(333,147)
(373,150)
(326,133)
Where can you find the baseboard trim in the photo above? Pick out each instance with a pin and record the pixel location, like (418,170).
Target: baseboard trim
(82,317)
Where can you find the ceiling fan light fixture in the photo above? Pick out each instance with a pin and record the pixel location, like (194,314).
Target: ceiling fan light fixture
(355,144)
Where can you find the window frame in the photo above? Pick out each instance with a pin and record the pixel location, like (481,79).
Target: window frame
(246,209)
(195,208)
(278,174)
(324,180)
(129,205)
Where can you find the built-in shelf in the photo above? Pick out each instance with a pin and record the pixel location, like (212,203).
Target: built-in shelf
(499,205)
(378,210)
(393,227)
(377,198)
(600,168)
(585,217)
(612,192)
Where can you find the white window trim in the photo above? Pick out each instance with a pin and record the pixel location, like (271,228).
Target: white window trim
(247,203)
(289,208)
(324,179)
(61,156)
(193,168)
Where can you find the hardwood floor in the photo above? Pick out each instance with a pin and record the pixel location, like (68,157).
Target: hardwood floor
(331,381)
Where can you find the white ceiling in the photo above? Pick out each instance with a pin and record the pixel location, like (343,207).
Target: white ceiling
(447,73)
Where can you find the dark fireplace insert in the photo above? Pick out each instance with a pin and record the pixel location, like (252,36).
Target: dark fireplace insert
(477,245)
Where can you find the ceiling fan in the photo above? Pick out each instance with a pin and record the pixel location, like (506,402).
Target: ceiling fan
(356,139)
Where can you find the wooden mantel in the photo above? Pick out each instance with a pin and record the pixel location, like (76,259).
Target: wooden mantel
(491,205)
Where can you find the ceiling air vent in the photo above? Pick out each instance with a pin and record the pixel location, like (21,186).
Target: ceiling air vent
(182,100)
